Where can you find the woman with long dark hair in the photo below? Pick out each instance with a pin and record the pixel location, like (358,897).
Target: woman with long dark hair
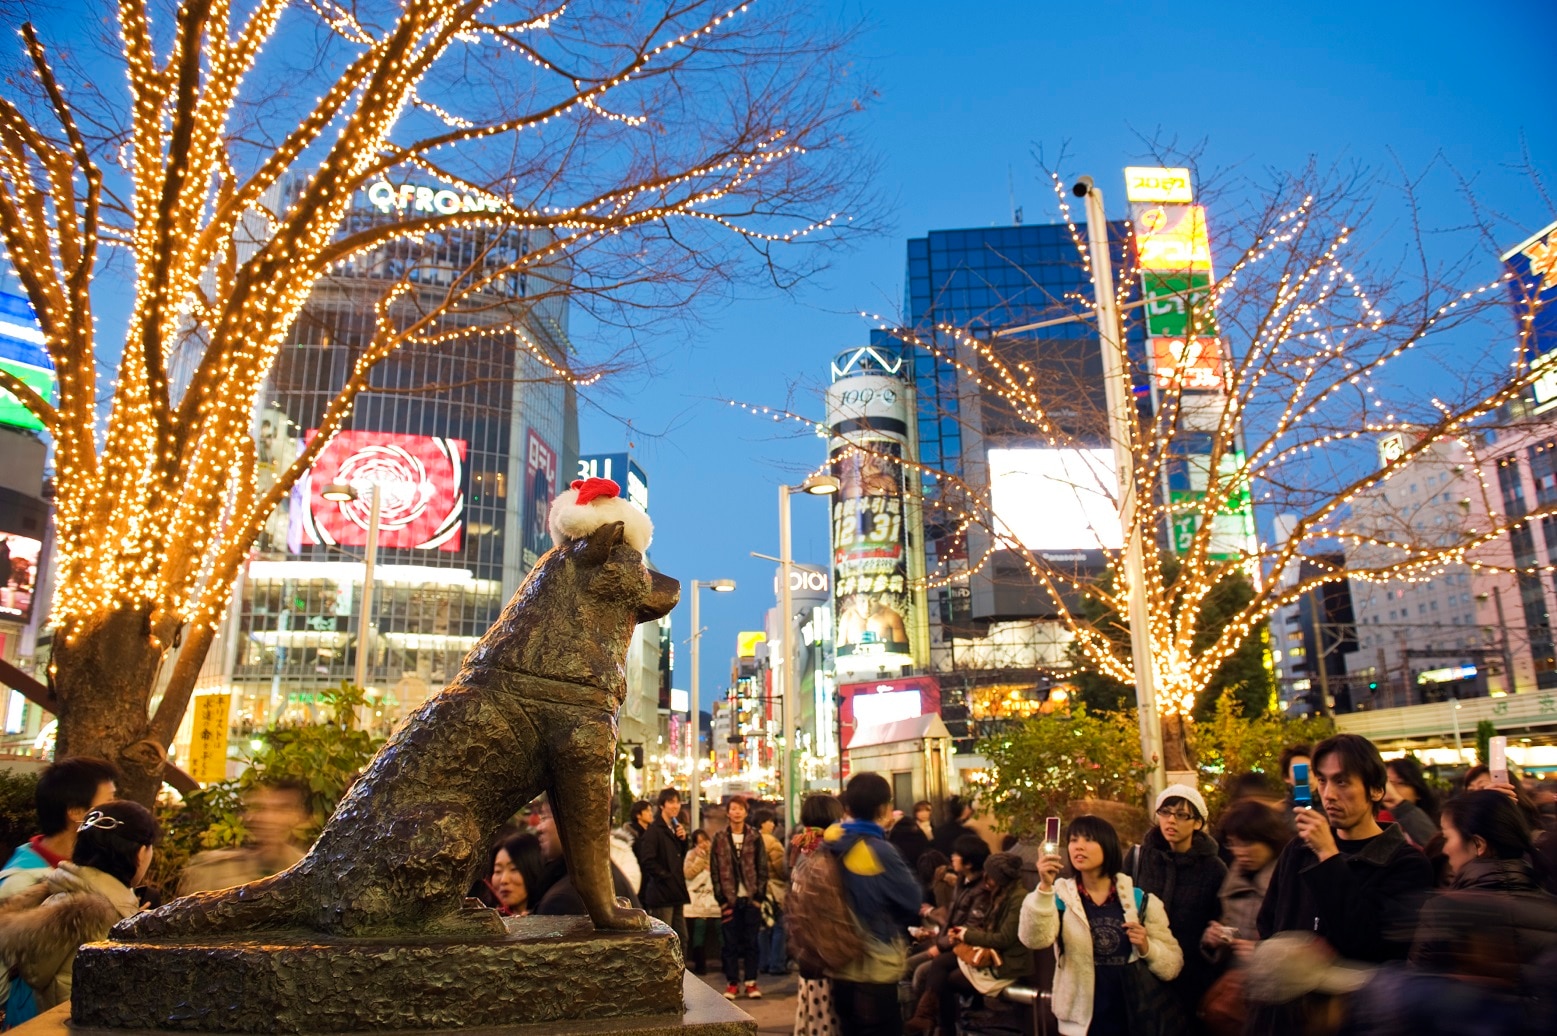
(702,913)
(518,870)
(1494,921)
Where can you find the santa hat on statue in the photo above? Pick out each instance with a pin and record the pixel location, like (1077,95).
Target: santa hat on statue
(592,502)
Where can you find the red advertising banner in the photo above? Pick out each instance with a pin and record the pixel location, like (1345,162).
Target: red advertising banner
(1195,364)
(875,702)
(421,489)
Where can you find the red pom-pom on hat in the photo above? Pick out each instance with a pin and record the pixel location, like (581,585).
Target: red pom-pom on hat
(589,503)
(591,488)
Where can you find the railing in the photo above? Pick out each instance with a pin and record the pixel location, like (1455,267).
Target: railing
(1529,710)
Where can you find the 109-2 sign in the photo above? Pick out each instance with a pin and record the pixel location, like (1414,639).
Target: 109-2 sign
(1159,184)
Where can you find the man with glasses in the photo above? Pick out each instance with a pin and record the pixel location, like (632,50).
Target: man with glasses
(1178,863)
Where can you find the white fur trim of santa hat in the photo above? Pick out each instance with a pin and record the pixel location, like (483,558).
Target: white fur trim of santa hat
(571,520)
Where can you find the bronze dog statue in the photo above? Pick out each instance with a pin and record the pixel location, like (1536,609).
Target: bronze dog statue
(532,710)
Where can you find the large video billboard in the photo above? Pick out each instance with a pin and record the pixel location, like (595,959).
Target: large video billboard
(23,355)
(421,481)
(1056,499)
(18,575)
(873,606)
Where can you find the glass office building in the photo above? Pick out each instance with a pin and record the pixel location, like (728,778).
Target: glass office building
(988,634)
(467,441)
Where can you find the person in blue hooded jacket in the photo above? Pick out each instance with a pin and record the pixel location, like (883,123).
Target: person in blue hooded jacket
(884,895)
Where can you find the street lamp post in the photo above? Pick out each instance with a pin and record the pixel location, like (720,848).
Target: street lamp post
(1121,425)
(816,485)
(340,493)
(695,791)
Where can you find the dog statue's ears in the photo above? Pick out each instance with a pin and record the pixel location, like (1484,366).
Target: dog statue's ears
(598,544)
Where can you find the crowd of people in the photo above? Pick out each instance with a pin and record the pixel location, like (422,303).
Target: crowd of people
(1358,901)
(1350,900)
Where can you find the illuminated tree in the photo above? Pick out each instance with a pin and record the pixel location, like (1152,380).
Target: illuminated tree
(1324,357)
(648,152)
(1326,349)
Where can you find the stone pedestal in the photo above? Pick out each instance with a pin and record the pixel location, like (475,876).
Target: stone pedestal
(703,1013)
(544,975)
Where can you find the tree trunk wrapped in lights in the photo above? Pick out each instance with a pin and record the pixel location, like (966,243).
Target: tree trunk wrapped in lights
(1310,335)
(654,150)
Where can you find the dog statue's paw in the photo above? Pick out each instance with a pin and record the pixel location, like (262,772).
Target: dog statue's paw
(628,919)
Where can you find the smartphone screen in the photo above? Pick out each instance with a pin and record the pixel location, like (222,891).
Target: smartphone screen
(1497,758)
(1051,831)
(1300,793)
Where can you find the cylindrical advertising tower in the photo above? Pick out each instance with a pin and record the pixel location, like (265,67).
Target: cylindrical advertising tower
(874,590)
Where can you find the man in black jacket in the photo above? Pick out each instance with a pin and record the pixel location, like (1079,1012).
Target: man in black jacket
(1357,885)
(661,852)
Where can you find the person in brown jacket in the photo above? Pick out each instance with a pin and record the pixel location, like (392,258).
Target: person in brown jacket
(740,870)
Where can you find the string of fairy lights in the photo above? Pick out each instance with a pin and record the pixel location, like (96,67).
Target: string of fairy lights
(1318,336)
(156,512)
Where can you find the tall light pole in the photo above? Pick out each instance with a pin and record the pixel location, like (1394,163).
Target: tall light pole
(695,791)
(816,485)
(1121,427)
(341,492)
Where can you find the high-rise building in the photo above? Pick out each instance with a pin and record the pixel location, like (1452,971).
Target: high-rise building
(991,637)
(1455,631)
(467,440)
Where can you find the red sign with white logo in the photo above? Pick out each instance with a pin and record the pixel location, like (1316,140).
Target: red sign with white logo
(886,701)
(1195,364)
(421,494)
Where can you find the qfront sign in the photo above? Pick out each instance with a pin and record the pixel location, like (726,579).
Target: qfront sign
(387,197)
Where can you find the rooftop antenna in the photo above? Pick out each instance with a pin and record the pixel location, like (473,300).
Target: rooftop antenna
(1016,211)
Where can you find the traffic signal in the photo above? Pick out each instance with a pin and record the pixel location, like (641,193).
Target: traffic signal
(637,757)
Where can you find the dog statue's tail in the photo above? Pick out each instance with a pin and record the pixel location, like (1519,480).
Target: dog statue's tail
(265,905)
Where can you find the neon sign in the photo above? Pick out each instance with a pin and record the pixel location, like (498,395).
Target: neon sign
(1172,237)
(1157,183)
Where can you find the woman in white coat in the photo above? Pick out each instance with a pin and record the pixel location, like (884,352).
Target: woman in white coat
(1102,926)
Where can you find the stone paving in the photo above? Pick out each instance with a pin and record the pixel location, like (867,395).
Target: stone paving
(775,1012)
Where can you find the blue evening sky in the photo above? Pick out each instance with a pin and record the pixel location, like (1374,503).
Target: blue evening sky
(967,91)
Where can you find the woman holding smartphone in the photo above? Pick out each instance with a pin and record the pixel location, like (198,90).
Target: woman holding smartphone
(1103,929)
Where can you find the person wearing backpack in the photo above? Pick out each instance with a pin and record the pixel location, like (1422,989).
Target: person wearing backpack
(883,896)
(1113,946)
(813,915)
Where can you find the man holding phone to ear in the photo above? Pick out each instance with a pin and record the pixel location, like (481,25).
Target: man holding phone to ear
(1353,882)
